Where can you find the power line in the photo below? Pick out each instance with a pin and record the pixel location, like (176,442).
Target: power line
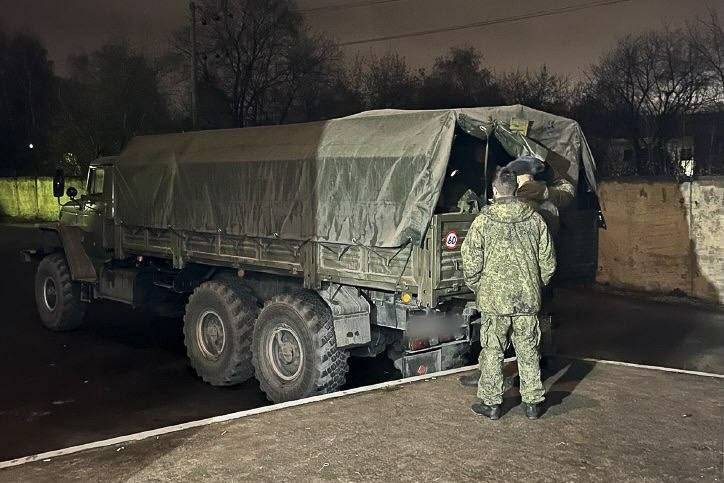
(344,6)
(485,23)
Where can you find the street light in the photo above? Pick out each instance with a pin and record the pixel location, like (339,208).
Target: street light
(31,145)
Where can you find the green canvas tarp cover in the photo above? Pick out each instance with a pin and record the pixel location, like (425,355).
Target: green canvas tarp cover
(371,179)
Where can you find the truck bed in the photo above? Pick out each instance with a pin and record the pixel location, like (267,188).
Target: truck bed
(431,271)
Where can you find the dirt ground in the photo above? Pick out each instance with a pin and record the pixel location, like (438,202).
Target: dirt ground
(603,423)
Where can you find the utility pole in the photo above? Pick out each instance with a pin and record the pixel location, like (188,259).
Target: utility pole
(194,117)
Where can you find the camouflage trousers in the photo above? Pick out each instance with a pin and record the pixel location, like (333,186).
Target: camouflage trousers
(494,339)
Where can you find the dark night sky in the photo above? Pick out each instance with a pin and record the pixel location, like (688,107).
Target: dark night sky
(567,43)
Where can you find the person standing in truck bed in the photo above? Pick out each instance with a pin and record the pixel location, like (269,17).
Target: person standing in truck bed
(508,256)
(543,187)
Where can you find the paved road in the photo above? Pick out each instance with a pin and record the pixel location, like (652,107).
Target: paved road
(644,331)
(126,371)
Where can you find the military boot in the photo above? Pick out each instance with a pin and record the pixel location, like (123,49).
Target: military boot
(532,411)
(492,412)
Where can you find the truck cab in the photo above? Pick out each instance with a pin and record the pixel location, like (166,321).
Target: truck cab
(92,213)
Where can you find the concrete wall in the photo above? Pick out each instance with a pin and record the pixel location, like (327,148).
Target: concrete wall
(664,237)
(32,198)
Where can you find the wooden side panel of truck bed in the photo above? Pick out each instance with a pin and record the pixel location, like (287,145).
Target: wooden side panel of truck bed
(430,271)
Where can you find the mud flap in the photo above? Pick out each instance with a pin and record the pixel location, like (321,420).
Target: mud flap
(351,313)
(81,267)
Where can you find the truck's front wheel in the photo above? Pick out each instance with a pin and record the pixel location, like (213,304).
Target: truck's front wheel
(295,351)
(218,326)
(57,296)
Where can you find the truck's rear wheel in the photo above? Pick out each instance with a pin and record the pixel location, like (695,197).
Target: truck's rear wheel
(57,296)
(218,327)
(295,350)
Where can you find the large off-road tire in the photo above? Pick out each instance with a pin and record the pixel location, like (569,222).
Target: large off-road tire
(218,328)
(295,350)
(57,296)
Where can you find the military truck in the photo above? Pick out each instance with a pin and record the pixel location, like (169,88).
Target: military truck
(289,248)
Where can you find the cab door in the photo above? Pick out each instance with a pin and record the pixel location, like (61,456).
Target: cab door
(98,211)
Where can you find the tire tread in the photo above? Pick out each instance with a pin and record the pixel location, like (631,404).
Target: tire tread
(243,309)
(331,362)
(73,310)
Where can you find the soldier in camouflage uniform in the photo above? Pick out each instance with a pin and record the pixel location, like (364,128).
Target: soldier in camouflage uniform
(508,256)
(545,189)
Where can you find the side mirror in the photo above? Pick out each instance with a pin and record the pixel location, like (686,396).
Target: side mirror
(58,183)
(72,192)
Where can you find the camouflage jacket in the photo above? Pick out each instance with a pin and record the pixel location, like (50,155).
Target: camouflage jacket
(508,256)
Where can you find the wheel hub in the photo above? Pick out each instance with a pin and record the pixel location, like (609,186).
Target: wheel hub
(287,353)
(210,335)
(284,351)
(50,294)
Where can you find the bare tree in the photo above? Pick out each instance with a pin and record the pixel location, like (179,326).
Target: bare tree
(707,41)
(313,70)
(384,82)
(539,89)
(459,79)
(110,96)
(258,53)
(644,84)
(26,102)
(332,91)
